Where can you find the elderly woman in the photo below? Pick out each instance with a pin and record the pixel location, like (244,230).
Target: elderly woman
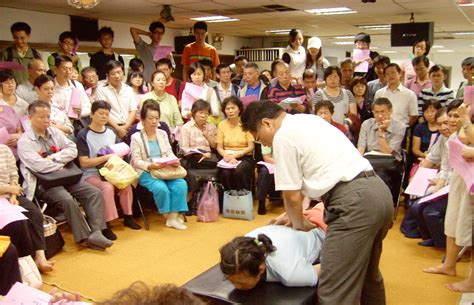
(235,145)
(9,97)
(168,104)
(148,145)
(342,99)
(199,135)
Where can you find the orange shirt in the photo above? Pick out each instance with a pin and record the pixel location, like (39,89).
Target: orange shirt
(193,53)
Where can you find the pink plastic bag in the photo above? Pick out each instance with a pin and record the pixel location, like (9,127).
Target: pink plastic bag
(208,204)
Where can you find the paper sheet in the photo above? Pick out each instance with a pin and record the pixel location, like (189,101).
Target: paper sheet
(162,52)
(469,97)
(361,55)
(246,100)
(224,164)
(11,65)
(4,135)
(165,160)
(420,181)
(460,165)
(120,149)
(441,192)
(191,93)
(269,166)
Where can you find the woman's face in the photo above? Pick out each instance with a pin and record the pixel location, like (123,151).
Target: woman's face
(333,80)
(420,48)
(359,89)
(136,81)
(231,111)
(298,42)
(325,113)
(429,114)
(198,77)
(201,116)
(152,120)
(159,82)
(243,280)
(9,87)
(313,51)
(46,91)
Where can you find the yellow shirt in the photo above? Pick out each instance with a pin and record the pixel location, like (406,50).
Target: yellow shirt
(233,138)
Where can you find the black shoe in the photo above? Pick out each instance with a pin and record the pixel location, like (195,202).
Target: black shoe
(129,222)
(427,243)
(109,234)
(262,210)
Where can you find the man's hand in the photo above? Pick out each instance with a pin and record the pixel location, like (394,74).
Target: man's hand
(384,125)
(77,110)
(306,225)
(59,296)
(122,132)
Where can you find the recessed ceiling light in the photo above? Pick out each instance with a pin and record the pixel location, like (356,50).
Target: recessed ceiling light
(278,32)
(212,19)
(344,37)
(461,3)
(389,52)
(331,11)
(445,51)
(463,33)
(343,42)
(375,27)
(437,47)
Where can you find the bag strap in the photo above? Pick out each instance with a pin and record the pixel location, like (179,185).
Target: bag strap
(177,86)
(144,145)
(9,54)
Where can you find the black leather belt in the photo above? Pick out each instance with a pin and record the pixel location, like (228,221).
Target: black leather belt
(365,174)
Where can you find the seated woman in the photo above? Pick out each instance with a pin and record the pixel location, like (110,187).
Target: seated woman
(9,97)
(12,124)
(28,235)
(9,267)
(325,110)
(198,134)
(273,254)
(44,86)
(151,143)
(90,141)
(234,145)
(426,133)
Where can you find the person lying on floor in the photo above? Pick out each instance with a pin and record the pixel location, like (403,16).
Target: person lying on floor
(273,254)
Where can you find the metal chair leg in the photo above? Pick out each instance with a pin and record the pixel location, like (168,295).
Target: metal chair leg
(145,222)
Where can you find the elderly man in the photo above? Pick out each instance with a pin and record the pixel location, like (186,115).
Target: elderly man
(26,90)
(358,208)
(253,84)
(347,73)
(43,149)
(284,89)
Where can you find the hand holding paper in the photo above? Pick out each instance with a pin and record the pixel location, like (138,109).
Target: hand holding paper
(360,57)
(162,52)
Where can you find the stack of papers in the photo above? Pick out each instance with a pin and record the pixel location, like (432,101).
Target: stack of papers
(165,160)
(420,182)
(10,213)
(227,165)
(286,103)
(269,166)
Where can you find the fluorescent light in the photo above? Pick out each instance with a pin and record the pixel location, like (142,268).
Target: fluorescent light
(278,32)
(463,33)
(437,47)
(374,48)
(343,43)
(445,51)
(472,45)
(375,27)
(389,52)
(344,37)
(331,11)
(214,19)
(465,4)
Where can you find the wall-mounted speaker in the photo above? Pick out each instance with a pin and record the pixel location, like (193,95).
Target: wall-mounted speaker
(405,34)
(86,29)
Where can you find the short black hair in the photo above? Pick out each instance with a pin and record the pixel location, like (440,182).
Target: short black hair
(100,105)
(362,37)
(156,25)
(221,66)
(324,104)
(200,25)
(233,100)
(164,61)
(106,30)
(67,34)
(255,112)
(149,105)
(112,64)
(431,103)
(37,104)
(87,70)
(20,26)
(251,65)
(274,64)
(438,68)
(135,63)
(358,80)
(206,62)
(42,79)
(420,59)
(440,112)
(133,74)
(239,58)
(193,67)
(60,59)
(199,105)
(454,105)
(329,70)
(392,65)
(382,60)
(6,75)
(382,101)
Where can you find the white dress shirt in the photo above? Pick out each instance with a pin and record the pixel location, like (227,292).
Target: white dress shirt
(122,102)
(404,102)
(62,97)
(27,92)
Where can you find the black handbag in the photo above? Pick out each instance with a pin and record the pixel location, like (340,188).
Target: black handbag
(69,174)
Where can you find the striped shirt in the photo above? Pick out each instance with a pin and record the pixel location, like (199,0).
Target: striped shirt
(8,170)
(277,93)
(445,96)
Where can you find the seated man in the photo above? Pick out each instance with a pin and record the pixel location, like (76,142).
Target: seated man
(41,140)
(274,254)
(90,80)
(285,89)
(252,83)
(26,90)
(381,133)
(209,72)
(224,88)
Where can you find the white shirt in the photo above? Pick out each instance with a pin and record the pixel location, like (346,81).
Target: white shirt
(296,251)
(311,155)
(27,92)
(62,97)
(122,102)
(404,102)
(298,61)
(20,107)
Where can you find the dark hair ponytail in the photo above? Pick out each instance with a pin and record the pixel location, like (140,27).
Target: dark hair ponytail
(245,254)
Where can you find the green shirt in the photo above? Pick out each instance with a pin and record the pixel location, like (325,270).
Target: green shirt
(21,76)
(52,67)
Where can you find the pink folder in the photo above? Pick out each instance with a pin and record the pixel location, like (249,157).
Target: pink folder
(441,192)
(420,181)
(460,165)
(469,97)
(361,55)
(190,94)
(246,100)
(75,102)
(162,52)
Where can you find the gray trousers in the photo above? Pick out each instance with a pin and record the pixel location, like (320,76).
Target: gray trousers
(92,201)
(358,214)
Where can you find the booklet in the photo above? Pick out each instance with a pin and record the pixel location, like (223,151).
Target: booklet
(227,165)
(165,160)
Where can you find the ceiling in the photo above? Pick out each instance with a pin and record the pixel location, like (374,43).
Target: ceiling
(448,17)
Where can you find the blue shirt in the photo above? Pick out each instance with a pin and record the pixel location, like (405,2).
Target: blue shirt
(155,151)
(253,91)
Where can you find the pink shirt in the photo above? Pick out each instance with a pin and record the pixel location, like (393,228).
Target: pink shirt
(192,137)
(415,86)
(11,122)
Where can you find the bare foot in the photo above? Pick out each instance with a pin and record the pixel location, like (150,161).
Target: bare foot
(441,269)
(464,286)
(45,266)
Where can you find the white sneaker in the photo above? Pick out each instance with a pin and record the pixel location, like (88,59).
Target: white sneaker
(180,219)
(174,223)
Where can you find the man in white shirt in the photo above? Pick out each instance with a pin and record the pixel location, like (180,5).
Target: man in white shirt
(64,90)
(224,87)
(26,89)
(121,97)
(404,101)
(358,205)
